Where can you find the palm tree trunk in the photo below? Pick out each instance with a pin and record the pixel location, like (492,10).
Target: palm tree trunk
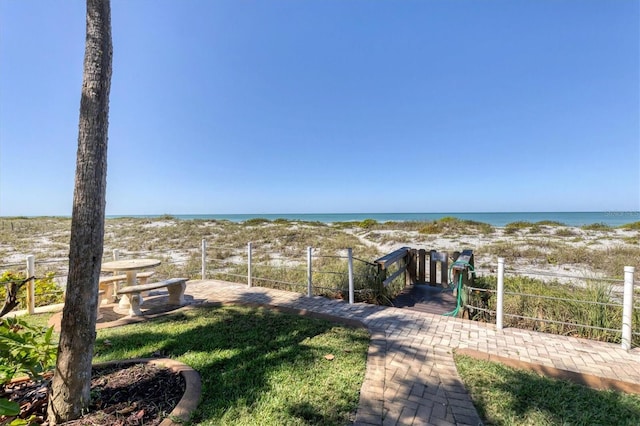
(70,389)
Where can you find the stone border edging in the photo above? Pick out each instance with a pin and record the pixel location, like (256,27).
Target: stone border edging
(192,392)
(585,379)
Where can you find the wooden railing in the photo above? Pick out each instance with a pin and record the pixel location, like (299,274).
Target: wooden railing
(413,264)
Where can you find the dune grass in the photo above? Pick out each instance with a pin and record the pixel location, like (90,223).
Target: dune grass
(575,309)
(257,366)
(507,396)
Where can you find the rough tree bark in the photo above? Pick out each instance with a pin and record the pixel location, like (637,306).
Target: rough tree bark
(69,391)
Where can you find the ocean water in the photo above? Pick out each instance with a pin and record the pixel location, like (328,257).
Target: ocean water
(611,218)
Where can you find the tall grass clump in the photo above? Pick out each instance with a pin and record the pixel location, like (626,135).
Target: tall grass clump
(513,227)
(512,251)
(565,232)
(453,225)
(633,226)
(616,258)
(596,227)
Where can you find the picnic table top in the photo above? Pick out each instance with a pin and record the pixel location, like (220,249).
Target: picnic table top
(129,264)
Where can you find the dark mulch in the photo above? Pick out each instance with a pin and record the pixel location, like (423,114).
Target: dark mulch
(133,394)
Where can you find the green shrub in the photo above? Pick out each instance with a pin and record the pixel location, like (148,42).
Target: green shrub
(431,228)
(47,291)
(24,350)
(282,221)
(368,223)
(513,227)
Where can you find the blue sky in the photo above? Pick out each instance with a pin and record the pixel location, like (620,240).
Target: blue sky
(230,106)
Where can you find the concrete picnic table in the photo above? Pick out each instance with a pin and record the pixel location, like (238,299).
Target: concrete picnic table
(131,268)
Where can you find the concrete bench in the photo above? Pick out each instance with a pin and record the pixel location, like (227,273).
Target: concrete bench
(107,285)
(175,286)
(110,284)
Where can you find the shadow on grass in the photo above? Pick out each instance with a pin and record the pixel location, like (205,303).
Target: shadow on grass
(238,351)
(509,396)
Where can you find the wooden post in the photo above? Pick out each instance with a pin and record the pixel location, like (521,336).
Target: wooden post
(410,273)
(31,286)
(382,276)
(432,267)
(414,268)
(422,254)
(444,268)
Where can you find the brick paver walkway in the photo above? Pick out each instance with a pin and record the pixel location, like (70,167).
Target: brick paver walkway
(411,378)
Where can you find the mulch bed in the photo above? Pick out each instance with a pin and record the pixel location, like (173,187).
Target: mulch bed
(121,395)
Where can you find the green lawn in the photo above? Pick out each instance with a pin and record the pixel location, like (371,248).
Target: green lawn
(508,396)
(258,367)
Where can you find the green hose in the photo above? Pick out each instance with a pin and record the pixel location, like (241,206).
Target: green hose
(459,297)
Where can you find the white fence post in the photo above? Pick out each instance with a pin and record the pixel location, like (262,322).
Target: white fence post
(627,307)
(116,254)
(350,262)
(204,259)
(309,273)
(31,287)
(249,265)
(500,294)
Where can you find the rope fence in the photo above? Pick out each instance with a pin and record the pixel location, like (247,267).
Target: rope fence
(313,273)
(605,307)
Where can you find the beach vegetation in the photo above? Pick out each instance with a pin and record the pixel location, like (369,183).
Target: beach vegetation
(550,223)
(256,221)
(589,309)
(283,244)
(513,227)
(281,221)
(511,251)
(368,223)
(602,227)
(535,229)
(565,232)
(452,225)
(631,226)
(632,240)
